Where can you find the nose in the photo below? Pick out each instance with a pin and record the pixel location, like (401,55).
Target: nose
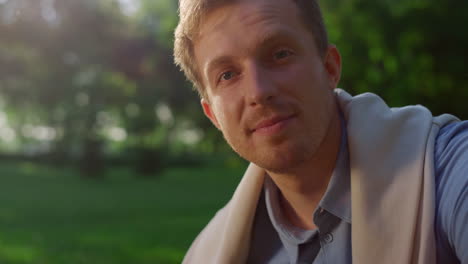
(259,86)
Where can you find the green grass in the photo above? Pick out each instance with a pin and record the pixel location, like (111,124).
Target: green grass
(52,216)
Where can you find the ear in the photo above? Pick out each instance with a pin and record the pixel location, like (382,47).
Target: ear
(333,66)
(207,109)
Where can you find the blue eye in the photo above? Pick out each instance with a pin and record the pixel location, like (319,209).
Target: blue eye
(281,54)
(227,76)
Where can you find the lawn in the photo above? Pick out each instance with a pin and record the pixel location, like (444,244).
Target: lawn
(52,216)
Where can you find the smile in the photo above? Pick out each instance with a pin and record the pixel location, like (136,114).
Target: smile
(273,125)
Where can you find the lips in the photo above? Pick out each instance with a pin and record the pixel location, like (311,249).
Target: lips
(271,122)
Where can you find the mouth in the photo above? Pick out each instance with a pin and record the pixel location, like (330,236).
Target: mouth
(273,124)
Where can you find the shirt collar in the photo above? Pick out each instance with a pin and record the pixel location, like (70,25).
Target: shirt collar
(287,231)
(337,197)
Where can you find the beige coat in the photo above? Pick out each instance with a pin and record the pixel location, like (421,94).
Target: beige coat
(392,189)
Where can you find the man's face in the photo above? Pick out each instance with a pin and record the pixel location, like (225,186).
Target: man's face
(268,89)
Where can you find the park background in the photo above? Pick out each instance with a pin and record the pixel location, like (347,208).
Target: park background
(105,156)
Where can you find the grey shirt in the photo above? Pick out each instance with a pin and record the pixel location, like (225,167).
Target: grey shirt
(274,240)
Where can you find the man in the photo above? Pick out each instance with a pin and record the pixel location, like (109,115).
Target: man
(333,178)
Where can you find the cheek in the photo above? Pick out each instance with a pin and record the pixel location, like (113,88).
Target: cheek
(226,113)
(301,74)
(299,83)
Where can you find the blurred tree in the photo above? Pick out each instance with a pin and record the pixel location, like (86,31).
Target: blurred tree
(410,52)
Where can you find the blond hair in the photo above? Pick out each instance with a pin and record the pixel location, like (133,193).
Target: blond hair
(192,11)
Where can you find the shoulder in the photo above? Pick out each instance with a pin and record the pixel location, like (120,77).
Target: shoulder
(451,170)
(208,238)
(452,138)
(451,162)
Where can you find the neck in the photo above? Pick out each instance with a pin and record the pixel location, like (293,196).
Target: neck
(302,188)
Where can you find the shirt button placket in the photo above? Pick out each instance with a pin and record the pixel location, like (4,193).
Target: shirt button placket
(327,239)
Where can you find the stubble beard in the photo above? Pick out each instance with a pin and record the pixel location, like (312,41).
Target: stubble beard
(288,154)
(284,162)
(279,159)
(284,156)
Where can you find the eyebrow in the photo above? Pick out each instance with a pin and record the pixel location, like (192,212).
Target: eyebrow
(217,63)
(270,37)
(267,39)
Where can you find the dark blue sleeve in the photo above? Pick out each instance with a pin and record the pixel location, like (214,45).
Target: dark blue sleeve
(451,169)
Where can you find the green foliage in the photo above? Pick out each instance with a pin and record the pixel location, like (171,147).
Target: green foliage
(91,74)
(409,52)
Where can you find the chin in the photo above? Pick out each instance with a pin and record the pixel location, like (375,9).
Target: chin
(282,160)
(281,165)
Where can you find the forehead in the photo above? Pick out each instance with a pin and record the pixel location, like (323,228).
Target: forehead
(235,28)
(246,13)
